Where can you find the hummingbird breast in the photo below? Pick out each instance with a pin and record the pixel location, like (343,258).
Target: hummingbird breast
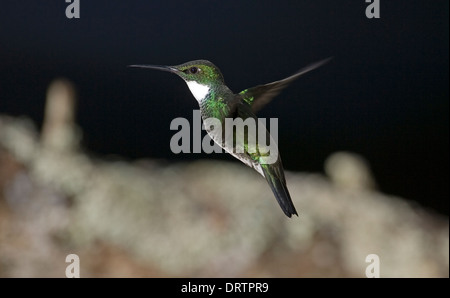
(217,114)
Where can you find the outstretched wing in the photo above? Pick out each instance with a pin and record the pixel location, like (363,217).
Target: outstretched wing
(258,96)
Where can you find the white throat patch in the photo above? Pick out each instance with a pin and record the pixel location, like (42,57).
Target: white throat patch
(198,90)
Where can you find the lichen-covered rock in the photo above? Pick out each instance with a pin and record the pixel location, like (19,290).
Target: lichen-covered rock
(203,218)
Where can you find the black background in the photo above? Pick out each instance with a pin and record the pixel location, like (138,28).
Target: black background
(384,95)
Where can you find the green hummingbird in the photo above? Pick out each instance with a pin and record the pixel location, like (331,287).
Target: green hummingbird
(217,101)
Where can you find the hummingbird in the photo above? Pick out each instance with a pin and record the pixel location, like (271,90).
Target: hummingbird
(217,101)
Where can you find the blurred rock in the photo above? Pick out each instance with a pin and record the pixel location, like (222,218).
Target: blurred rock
(349,170)
(199,219)
(59,131)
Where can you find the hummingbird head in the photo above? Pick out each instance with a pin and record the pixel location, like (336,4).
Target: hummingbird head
(199,75)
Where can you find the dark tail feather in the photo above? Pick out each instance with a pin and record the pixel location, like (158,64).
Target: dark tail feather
(275,178)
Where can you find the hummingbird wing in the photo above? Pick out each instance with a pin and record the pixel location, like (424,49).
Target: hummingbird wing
(257,97)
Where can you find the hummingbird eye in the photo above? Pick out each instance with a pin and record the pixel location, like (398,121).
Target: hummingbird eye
(193,70)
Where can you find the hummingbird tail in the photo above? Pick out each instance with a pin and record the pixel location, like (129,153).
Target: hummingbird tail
(277,183)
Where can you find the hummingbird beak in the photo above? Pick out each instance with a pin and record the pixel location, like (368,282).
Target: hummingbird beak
(157,67)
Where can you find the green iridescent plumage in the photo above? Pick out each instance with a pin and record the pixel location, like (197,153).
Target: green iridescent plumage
(207,72)
(215,105)
(217,101)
